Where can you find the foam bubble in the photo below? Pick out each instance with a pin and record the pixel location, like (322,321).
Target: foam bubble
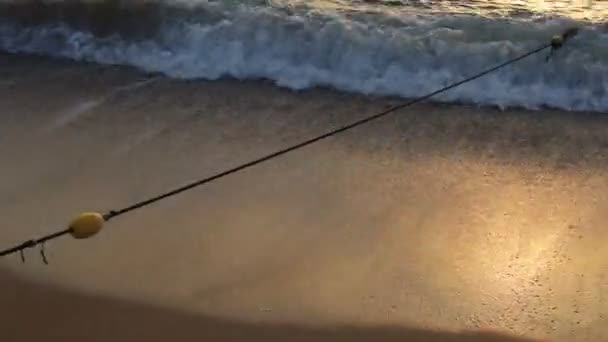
(405,55)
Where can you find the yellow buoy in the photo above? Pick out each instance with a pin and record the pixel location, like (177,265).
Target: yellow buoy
(86,225)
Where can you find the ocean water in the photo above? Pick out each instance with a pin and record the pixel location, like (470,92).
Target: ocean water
(380,47)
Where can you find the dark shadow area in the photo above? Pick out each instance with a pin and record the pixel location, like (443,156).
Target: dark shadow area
(33,312)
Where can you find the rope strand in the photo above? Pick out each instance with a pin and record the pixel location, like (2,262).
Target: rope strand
(115,213)
(556,43)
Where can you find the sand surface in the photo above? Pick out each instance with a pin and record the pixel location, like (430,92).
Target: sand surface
(436,224)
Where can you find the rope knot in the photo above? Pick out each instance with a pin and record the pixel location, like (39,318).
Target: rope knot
(110,215)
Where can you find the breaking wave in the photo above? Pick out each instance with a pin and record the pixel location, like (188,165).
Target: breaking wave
(403,54)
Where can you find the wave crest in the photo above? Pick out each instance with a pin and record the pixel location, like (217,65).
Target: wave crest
(406,55)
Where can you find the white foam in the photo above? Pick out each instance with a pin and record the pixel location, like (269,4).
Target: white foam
(74,113)
(405,55)
(79,110)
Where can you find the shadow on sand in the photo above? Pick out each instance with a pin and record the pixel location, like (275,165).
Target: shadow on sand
(33,312)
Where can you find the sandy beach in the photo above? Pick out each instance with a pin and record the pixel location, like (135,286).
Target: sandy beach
(440,223)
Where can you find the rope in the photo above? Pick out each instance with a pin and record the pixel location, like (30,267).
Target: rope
(556,43)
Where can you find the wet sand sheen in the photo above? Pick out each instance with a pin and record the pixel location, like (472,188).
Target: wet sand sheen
(443,217)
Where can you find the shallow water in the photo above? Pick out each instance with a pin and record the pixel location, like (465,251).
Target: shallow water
(592,10)
(443,217)
(448,217)
(379,49)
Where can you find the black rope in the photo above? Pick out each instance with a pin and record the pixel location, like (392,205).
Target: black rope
(556,43)
(34,243)
(115,213)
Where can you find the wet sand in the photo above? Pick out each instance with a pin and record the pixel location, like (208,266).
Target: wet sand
(38,312)
(439,220)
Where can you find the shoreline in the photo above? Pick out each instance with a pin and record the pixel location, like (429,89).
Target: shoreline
(444,217)
(541,111)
